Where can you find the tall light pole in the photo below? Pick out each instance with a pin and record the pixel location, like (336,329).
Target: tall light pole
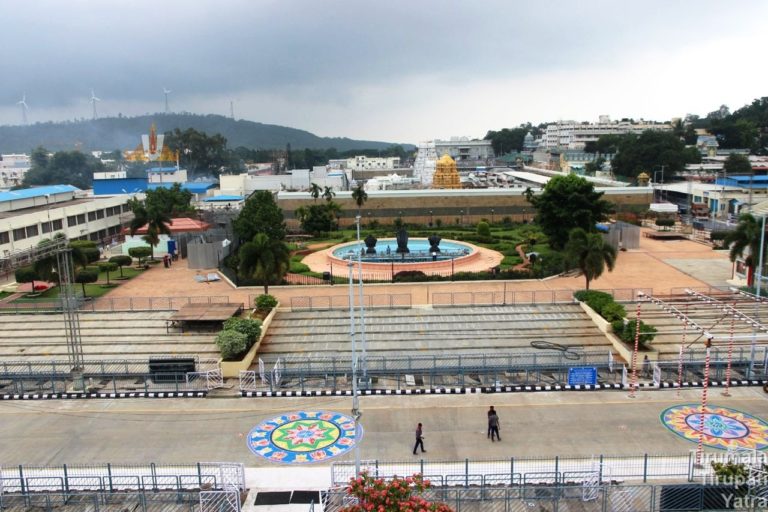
(362,302)
(355,399)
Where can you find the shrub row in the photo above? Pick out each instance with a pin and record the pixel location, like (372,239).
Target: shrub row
(604,305)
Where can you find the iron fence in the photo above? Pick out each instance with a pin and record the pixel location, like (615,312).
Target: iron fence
(533,470)
(584,497)
(108,376)
(332,302)
(450,370)
(110,304)
(147,488)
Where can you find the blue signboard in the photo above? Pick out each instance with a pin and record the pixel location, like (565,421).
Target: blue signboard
(585,375)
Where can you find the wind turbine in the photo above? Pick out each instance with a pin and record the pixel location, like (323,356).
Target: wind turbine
(24,107)
(94,99)
(166,92)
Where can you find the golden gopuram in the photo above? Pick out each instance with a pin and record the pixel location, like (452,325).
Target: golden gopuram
(446,175)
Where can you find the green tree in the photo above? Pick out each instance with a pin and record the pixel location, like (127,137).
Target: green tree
(121,261)
(156,221)
(107,267)
(140,253)
(174,201)
(744,242)
(232,344)
(507,140)
(360,196)
(260,214)
(85,277)
(483,229)
(737,164)
(315,190)
(199,152)
(264,259)
(27,275)
(328,194)
(650,149)
(84,252)
(46,267)
(590,253)
(64,167)
(568,202)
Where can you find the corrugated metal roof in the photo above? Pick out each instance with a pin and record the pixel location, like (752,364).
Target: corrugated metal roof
(28,193)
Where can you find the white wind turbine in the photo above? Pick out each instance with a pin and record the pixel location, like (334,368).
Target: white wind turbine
(94,99)
(24,107)
(166,92)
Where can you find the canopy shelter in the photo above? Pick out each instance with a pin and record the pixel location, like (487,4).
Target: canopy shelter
(204,315)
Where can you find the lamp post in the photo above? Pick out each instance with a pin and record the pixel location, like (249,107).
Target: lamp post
(461,217)
(452,267)
(492,212)
(362,302)
(661,193)
(355,399)
(430,218)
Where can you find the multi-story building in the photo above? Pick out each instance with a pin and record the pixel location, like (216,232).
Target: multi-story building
(362,162)
(30,215)
(573,135)
(12,169)
(468,155)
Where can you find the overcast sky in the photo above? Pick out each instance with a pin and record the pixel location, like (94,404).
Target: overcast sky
(395,70)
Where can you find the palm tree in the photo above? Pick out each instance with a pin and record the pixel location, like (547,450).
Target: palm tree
(745,238)
(157,222)
(590,253)
(265,259)
(360,196)
(315,190)
(328,194)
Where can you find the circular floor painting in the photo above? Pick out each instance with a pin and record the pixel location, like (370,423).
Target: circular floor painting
(304,437)
(723,427)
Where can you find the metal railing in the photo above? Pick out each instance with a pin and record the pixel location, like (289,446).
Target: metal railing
(459,370)
(582,496)
(332,302)
(104,304)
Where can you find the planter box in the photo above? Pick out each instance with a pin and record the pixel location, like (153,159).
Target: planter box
(619,346)
(231,369)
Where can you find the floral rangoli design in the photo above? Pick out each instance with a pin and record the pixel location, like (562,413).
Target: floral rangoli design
(723,427)
(304,437)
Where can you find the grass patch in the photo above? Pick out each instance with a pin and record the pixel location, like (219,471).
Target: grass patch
(4,295)
(91,290)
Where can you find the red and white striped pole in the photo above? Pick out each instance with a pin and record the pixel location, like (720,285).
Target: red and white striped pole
(730,358)
(682,348)
(700,449)
(633,382)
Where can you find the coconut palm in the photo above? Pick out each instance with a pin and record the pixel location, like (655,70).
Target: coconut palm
(360,196)
(315,190)
(264,259)
(328,194)
(744,242)
(156,220)
(590,253)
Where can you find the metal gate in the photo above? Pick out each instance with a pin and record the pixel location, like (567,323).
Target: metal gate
(220,501)
(211,379)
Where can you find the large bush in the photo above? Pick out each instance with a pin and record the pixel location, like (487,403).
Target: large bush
(483,229)
(265,302)
(626,332)
(232,344)
(613,311)
(594,299)
(251,328)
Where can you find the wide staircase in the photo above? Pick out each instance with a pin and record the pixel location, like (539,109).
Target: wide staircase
(105,336)
(438,331)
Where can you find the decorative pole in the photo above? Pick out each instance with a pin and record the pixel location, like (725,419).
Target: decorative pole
(730,357)
(355,399)
(364,360)
(682,348)
(700,449)
(633,382)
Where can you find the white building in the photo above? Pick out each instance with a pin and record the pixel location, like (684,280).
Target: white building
(30,215)
(166,175)
(424,165)
(13,167)
(298,179)
(362,162)
(463,149)
(573,135)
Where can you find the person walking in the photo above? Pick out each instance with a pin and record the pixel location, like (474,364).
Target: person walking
(493,425)
(491,412)
(419,439)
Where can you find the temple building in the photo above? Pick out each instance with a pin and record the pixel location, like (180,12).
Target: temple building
(446,175)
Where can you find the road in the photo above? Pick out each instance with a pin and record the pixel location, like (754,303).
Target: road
(174,431)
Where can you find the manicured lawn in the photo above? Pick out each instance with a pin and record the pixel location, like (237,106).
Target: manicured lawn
(91,290)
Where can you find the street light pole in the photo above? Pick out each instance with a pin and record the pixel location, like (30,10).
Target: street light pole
(362,302)
(355,399)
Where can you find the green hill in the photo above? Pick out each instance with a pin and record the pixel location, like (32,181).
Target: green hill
(125,133)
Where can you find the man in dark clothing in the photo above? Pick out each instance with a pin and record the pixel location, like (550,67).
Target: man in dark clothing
(419,440)
(493,425)
(491,412)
